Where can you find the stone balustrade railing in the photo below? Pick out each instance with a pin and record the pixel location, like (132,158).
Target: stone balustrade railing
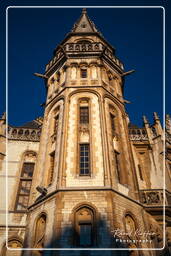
(28,134)
(84,48)
(154,197)
(137,134)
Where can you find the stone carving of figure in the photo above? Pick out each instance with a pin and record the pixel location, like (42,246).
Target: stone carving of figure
(73,73)
(94,72)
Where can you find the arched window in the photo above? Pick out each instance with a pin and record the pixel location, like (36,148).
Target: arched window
(130,228)
(12,244)
(25,181)
(39,236)
(84,226)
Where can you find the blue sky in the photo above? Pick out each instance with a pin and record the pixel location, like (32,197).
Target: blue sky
(136,33)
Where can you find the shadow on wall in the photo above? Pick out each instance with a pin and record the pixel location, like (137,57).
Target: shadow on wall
(85,235)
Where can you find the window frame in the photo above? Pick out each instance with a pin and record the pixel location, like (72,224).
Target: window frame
(26,179)
(83,71)
(89,161)
(77,222)
(81,118)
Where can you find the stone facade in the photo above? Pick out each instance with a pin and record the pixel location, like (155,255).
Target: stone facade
(95,174)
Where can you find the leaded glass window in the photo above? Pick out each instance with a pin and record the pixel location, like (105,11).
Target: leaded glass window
(24,186)
(84,159)
(84,115)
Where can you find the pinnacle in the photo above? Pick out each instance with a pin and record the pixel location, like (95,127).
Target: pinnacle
(84,24)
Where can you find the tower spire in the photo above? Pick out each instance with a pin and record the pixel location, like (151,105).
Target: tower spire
(84,10)
(84,24)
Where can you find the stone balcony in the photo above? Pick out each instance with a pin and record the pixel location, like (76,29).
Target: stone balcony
(137,134)
(83,49)
(26,134)
(155,197)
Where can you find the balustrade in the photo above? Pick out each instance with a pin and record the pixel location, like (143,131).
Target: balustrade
(84,48)
(24,134)
(138,134)
(154,197)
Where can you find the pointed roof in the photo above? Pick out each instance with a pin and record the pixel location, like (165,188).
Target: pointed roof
(84,24)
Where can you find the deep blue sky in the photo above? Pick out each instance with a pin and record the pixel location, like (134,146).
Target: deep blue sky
(34,33)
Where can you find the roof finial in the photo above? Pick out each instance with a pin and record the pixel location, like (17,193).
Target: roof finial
(84,10)
(145,120)
(156,117)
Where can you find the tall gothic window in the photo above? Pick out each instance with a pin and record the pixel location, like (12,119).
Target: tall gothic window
(117,164)
(39,237)
(85,227)
(25,185)
(55,124)
(84,115)
(112,120)
(51,168)
(84,159)
(56,120)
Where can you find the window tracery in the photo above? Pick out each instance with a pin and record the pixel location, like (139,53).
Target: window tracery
(25,181)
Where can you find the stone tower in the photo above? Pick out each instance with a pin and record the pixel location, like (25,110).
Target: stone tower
(85,184)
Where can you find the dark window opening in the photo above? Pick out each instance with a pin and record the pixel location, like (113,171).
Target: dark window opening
(83,73)
(84,115)
(112,117)
(85,234)
(51,170)
(84,159)
(140,172)
(117,163)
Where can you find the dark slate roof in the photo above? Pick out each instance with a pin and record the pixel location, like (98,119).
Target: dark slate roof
(32,124)
(130,125)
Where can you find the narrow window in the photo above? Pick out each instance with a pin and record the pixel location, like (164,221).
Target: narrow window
(112,117)
(84,159)
(140,171)
(84,227)
(24,186)
(83,73)
(85,234)
(51,169)
(84,115)
(56,121)
(117,163)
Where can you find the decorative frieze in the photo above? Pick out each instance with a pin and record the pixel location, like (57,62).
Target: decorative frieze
(15,133)
(84,48)
(138,134)
(154,197)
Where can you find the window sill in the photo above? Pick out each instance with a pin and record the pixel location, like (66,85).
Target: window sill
(84,176)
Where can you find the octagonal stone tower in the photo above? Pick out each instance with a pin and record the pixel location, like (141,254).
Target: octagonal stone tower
(85,181)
